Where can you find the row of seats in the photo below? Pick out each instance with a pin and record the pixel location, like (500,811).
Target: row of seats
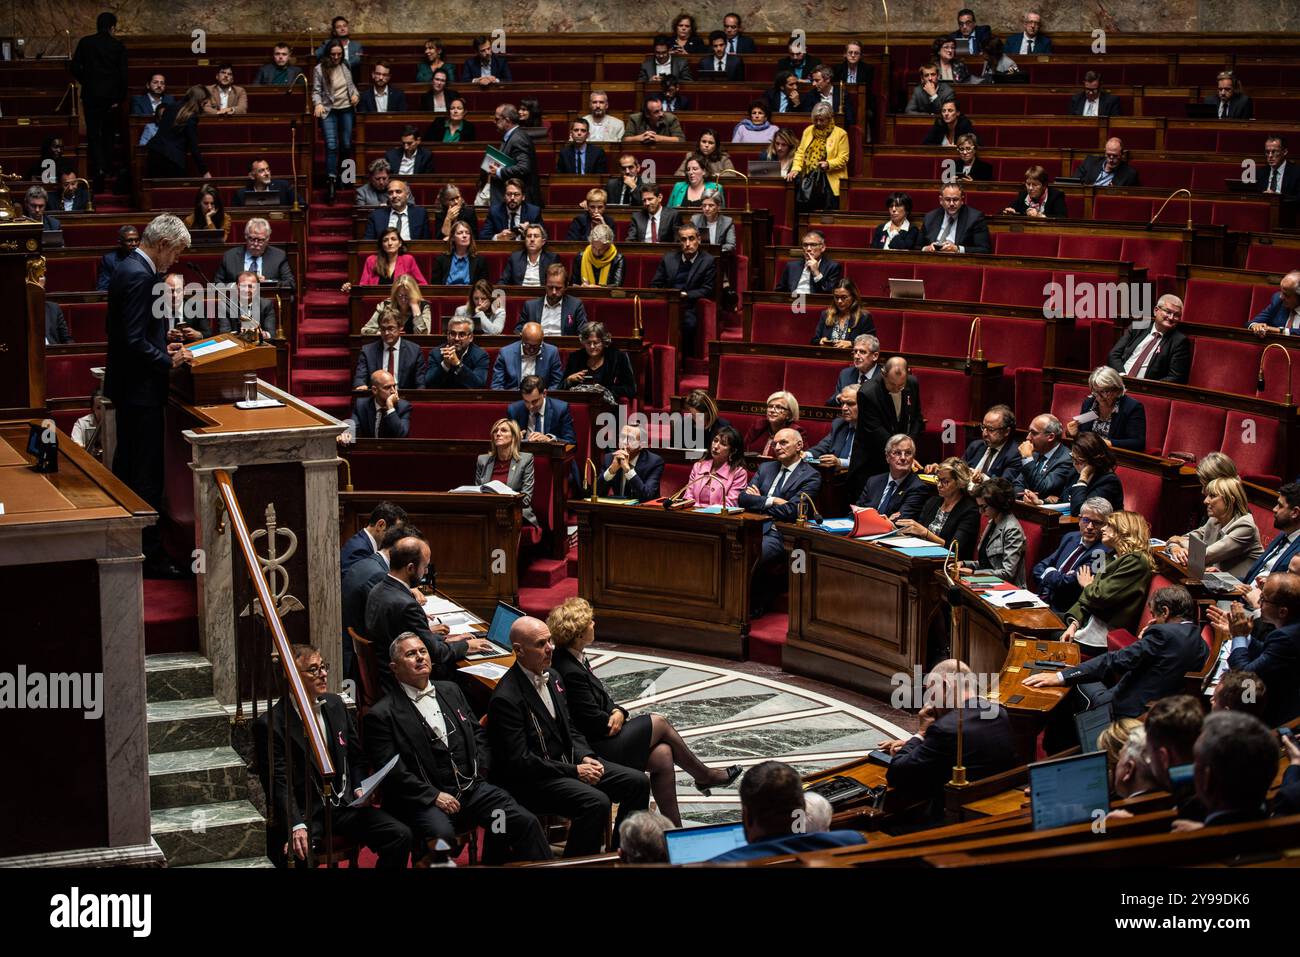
(1229,137)
(979,101)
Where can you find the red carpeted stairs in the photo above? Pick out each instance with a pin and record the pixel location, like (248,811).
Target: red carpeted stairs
(171,616)
(322,370)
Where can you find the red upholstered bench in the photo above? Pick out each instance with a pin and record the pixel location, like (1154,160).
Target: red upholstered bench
(954,283)
(1217,303)
(751,377)
(811,381)
(1253,442)
(69,376)
(1142,491)
(779,323)
(1035,243)
(1016,287)
(1193,429)
(1270,258)
(86,320)
(935,333)
(1067,399)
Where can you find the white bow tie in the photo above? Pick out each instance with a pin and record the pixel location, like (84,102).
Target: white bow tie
(426,693)
(541,681)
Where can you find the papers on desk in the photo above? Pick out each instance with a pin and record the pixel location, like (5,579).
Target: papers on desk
(200,349)
(909,541)
(1062,507)
(485,669)
(500,488)
(369,784)
(837,526)
(1001,599)
(922,551)
(459,620)
(717,509)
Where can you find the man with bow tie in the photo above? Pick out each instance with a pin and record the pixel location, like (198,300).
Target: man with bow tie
(439,785)
(543,759)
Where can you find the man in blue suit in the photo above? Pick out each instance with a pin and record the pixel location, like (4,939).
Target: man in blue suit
(460,364)
(1275,657)
(128,238)
(579,157)
(971,39)
(539,418)
(506,219)
(1031,39)
(401,358)
(487,68)
(836,446)
(155,95)
(382,415)
(631,471)
(897,492)
(1056,573)
(531,355)
(776,492)
(995,453)
(558,313)
(1280,551)
(1282,311)
(381,97)
(383,516)
(407,217)
(864,368)
(1049,471)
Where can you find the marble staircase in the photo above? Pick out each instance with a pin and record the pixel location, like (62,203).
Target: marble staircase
(200,811)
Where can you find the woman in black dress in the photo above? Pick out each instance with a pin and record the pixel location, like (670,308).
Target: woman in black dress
(178,137)
(599,363)
(647,741)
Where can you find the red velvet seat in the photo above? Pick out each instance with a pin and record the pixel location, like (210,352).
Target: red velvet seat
(1253,442)
(1270,258)
(778,323)
(454,420)
(750,377)
(1263,515)
(951,283)
(811,380)
(889,327)
(674,476)
(1015,287)
(1035,243)
(1017,343)
(1091,247)
(935,333)
(1225,366)
(872,278)
(1101,339)
(1067,399)
(944,393)
(1159,256)
(1217,303)
(1123,209)
(86,320)
(69,376)
(1157,410)
(1193,429)
(1240,217)
(1142,491)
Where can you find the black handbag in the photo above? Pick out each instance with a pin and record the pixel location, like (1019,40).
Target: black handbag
(813,192)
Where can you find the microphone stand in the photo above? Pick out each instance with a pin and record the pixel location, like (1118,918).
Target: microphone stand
(976,331)
(590,470)
(1151,225)
(954,604)
(1259,382)
(802,517)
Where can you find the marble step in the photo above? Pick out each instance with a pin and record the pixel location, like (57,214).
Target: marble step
(175,676)
(186,725)
(197,776)
(237,862)
(205,833)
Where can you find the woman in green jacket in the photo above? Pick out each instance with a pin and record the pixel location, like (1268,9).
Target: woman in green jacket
(1115,596)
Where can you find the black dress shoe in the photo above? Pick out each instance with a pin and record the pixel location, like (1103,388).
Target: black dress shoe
(733,772)
(164,569)
(331,186)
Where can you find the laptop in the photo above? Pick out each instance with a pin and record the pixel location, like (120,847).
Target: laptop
(1068,790)
(1234,184)
(907,289)
(499,632)
(270,197)
(764,168)
(1213,581)
(206,237)
(1091,723)
(52,238)
(691,845)
(1202,111)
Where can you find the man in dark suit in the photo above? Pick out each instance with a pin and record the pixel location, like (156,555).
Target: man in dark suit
(1173,724)
(797,59)
(1286,545)
(261,181)
(247,304)
(662,63)
(1031,39)
(73,196)
(579,158)
(722,66)
(128,238)
(826,90)
(486,68)
(836,446)
(558,313)
(534,255)
(439,785)
(381,97)
(376,828)
(543,760)
(994,454)
(531,355)
(625,189)
(955,227)
(1234,766)
(1110,169)
(864,368)
(399,357)
(1152,667)
(897,492)
(155,95)
(363,575)
(631,470)
(890,405)
(1056,573)
(652,223)
(816,273)
(1155,350)
(693,272)
(971,39)
(99,65)
(1092,100)
(1277,175)
(269,262)
(56,325)
(460,364)
(523,158)
(36,202)
(138,368)
(539,418)
(408,218)
(737,42)
(1275,655)
(410,158)
(1282,311)
(506,219)
(922,764)
(777,491)
(1047,470)
(1229,103)
(383,518)
(381,415)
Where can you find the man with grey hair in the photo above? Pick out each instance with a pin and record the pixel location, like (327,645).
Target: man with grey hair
(375,191)
(863,369)
(897,492)
(138,368)
(1056,573)
(523,159)
(1235,763)
(641,838)
(819,812)
(1282,314)
(269,263)
(890,405)
(35,205)
(1155,349)
(816,273)
(459,364)
(1048,469)
(836,446)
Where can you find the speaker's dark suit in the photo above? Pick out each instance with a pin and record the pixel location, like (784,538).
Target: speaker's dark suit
(364,574)
(472,69)
(1240,106)
(391,610)
(1046,475)
(640,227)
(410,364)
(1172,361)
(498,220)
(523,165)
(838,441)
(470,374)
(56,325)
(907,499)
(593,160)
(970,232)
(982,35)
(851,376)
(274,266)
(877,421)
(394,425)
(1290,185)
(698,284)
(1057,582)
(278,186)
(354,550)
(1276,556)
(1150,668)
(535,757)
(142,105)
(924,765)
(571,308)
(557,420)
(396,103)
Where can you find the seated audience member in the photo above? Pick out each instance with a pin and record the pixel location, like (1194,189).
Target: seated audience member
(1172,725)
(996,63)
(438,97)
(530,114)
(128,238)
(507,219)
(652,223)
(542,758)
(558,313)
(836,446)
(410,307)
(1235,763)
(851,69)
(641,838)
(685,37)
(1228,99)
(797,59)
(461,265)
(601,264)
(930,93)
(737,42)
(541,419)
(51,155)
(1240,691)
(580,226)
(1152,667)
(646,742)
(598,362)
(776,491)
(971,39)
(719,477)
(1038,199)
(922,764)
(382,415)
(580,158)
(184,322)
(35,203)
(898,492)
(721,67)
(825,147)
(1287,801)
(781,150)
(950,68)
(845,319)
(625,189)
(530,356)
(631,470)
(487,68)
(785,95)
(209,212)
(154,96)
(269,262)
(439,787)
(505,462)
(955,227)
(1282,314)
(485,309)
(382,97)
(775,817)
(304,823)
(260,180)
(602,127)
(1095,463)
(1092,100)
(1286,545)
(88,430)
(1114,597)
(994,454)
(1274,654)
(400,357)
(715,228)
(1275,176)
(409,157)
(1056,574)
(450,209)
(253,309)
(1031,39)
(57,332)
(949,124)
(1155,350)
(692,271)
(897,232)
(366,542)
(756,128)
(817,273)
(1110,169)
(970,168)
(690,192)
(1121,420)
(712,160)
(782,413)
(279,72)
(1001,549)
(863,368)
(889,405)
(1047,470)
(408,218)
(700,404)
(950,516)
(661,62)
(460,364)
(653,124)
(452,127)
(374,192)
(1215,465)
(224,98)
(528,266)
(389,261)
(1229,533)
(364,574)
(73,195)
(826,90)
(1125,743)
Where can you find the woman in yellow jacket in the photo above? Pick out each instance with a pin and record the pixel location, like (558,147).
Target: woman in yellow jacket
(824,146)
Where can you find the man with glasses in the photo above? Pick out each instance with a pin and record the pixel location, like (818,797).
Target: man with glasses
(256,256)
(864,367)
(530,356)
(1031,39)
(304,823)
(1157,350)
(382,97)
(1108,170)
(955,227)
(776,492)
(1056,573)
(971,39)
(625,189)
(815,274)
(890,405)
(507,220)
(1047,470)
(224,98)
(1092,100)
(662,63)
(523,158)
(603,127)
(994,454)
(899,491)
(1274,653)
(409,219)
(464,365)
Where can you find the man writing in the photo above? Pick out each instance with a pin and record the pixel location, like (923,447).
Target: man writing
(539,418)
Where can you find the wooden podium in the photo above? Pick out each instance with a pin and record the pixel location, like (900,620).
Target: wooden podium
(217,375)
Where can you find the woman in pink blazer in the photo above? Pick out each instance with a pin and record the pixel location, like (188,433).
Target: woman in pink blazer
(720,478)
(389,261)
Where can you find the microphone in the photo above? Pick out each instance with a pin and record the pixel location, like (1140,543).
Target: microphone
(1259,382)
(817,516)
(1151,225)
(975,330)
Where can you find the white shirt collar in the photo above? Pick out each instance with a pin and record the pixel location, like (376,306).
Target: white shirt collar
(415,694)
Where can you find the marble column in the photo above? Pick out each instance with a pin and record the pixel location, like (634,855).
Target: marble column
(325,598)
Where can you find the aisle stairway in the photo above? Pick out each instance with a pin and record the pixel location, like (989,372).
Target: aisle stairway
(322,371)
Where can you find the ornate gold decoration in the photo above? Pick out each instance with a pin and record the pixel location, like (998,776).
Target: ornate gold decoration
(35,270)
(7,212)
(277,576)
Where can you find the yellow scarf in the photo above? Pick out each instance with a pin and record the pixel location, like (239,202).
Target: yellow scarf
(593,269)
(816,149)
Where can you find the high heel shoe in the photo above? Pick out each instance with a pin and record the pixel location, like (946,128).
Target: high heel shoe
(733,772)
(331,187)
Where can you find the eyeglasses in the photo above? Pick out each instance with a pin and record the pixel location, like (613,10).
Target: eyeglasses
(317,670)
(777,407)
(900,453)
(1084,520)
(993,428)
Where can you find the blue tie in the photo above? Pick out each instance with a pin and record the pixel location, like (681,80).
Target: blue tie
(578,156)
(889,493)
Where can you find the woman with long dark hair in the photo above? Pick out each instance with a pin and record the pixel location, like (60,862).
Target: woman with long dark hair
(178,137)
(844,319)
(335,97)
(209,212)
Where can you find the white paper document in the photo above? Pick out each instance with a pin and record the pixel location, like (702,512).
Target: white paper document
(433,605)
(369,784)
(501,488)
(1083,418)
(1002,599)
(459,619)
(485,669)
(905,541)
(214,345)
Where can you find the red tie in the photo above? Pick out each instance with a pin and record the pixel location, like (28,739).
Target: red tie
(1145,354)
(392,361)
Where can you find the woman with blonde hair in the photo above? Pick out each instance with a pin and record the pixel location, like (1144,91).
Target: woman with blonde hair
(1215,465)
(782,150)
(782,413)
(1230,535)
(646,742)
(1114,597)
(405,298)
(950,516)
(505,463)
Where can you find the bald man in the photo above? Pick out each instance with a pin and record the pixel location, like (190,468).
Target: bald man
(541,758)
(531,355)
(1282,314)
(888,405)
(1109,169)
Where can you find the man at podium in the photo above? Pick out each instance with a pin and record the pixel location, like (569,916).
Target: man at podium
(138,367)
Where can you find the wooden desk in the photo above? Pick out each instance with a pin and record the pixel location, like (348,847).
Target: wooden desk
(671,579)
(984,631)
